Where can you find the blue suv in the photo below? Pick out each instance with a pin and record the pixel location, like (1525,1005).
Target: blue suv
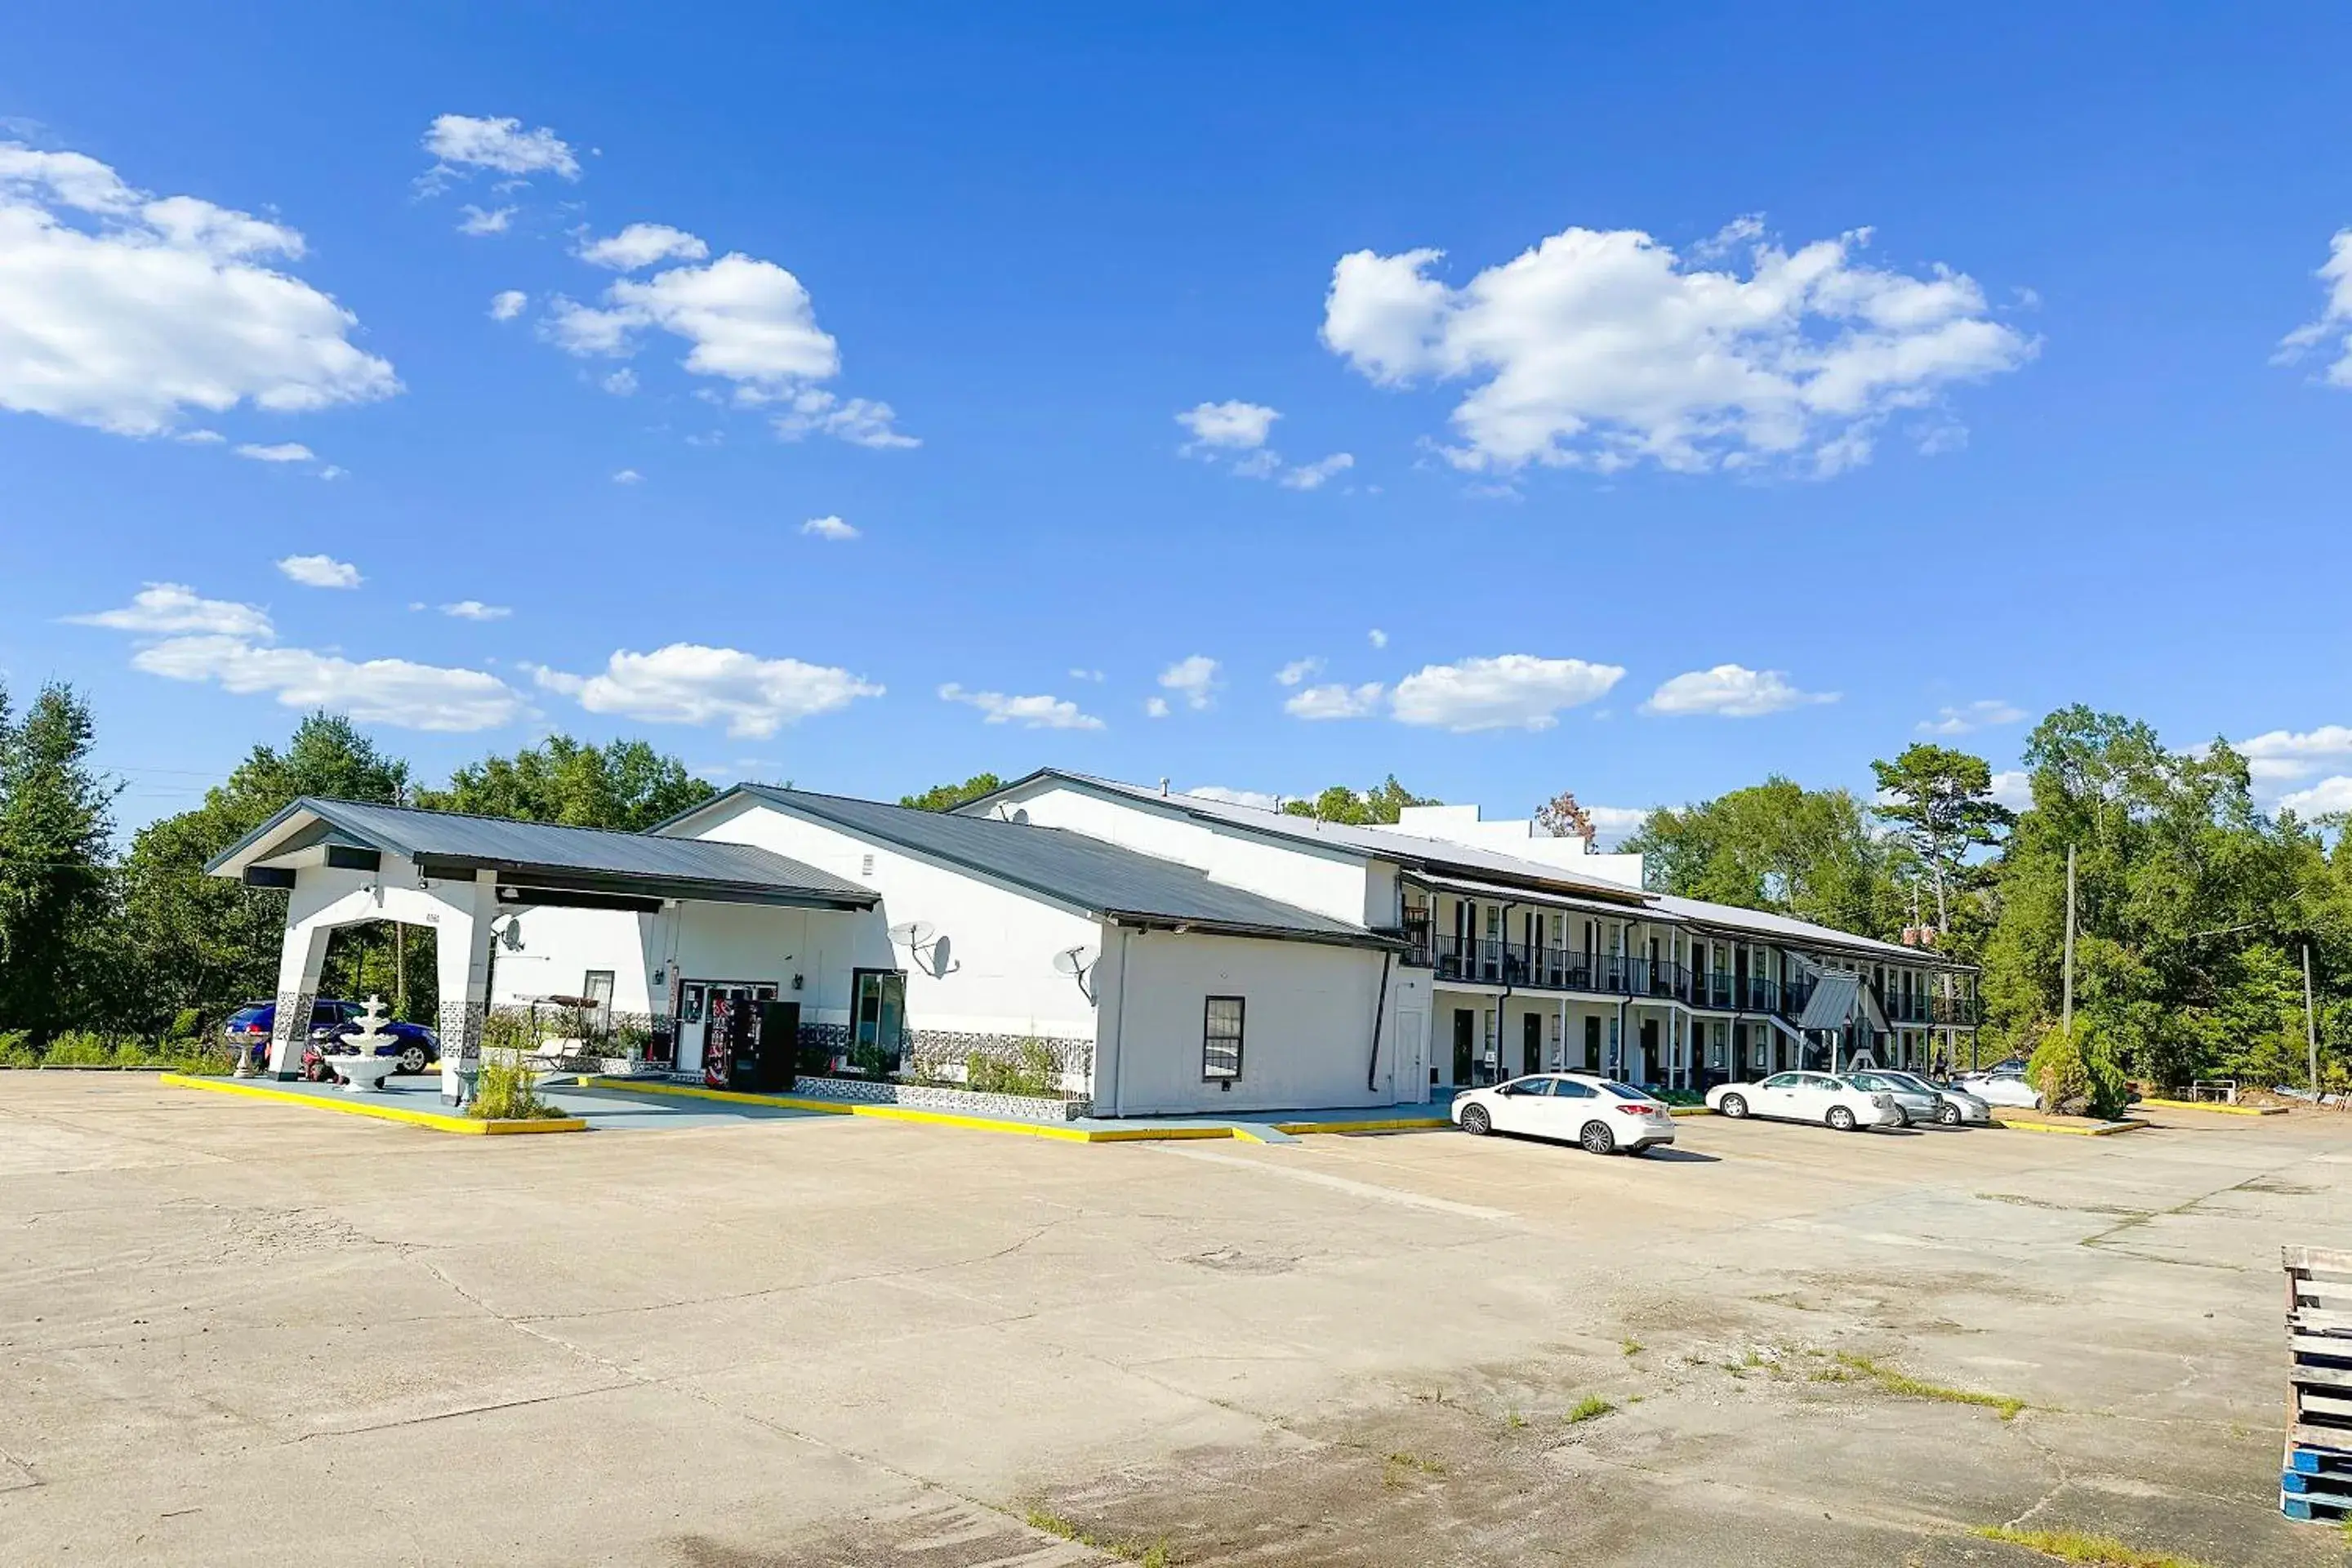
(249,1026)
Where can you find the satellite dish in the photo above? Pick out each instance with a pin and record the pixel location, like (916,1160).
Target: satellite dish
(1074,961)
(913,933)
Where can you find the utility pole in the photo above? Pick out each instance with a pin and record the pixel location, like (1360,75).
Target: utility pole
(2310,1023)
(2066,1020)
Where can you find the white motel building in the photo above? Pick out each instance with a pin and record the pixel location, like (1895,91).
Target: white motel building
(1175,955)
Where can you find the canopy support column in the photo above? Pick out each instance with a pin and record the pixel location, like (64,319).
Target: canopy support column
(300,961)
(461,951)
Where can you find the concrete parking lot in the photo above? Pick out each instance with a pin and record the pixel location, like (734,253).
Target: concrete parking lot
(242,1332)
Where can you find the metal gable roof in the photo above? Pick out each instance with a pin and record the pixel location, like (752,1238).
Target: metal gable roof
(1092,874)
(1380,843)
(1832,1001)
(502,844)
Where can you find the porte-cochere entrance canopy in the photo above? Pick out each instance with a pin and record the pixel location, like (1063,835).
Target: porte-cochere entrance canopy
(345,863)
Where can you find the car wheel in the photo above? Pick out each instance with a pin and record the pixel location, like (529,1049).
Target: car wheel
(1733,1105)
(1476,1122)
(1841,1119)
(1596,1139)
(1948,1115)
(412,1059)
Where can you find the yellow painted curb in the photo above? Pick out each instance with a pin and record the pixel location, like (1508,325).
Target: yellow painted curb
(1141,1132)
(2104,1130)
(2216,1109)
(465,1125)
(1690,1110)
(1391,1124)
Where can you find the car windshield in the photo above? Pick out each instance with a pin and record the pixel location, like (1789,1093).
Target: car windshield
(1912,1082)
(1622,1090)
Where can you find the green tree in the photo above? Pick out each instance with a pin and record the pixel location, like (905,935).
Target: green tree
(1378,806)
(947,796)
(56,898)
(1564,816)
(1940,803)
(622,784)
(1779,847)
(204,943)
(2192,905)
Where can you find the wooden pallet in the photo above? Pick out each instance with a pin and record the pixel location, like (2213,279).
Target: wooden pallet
(2315,1477)
(2313,1460)
(2318,1507)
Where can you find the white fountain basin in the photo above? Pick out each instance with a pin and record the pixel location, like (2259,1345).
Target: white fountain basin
(364,1073)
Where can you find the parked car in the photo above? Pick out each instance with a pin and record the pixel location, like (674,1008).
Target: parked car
(2001,1086)
(1597,1113)
(249,1027)
(1952,1106)
(1808,1096)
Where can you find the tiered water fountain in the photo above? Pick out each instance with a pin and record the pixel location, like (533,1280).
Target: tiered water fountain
(366,1071)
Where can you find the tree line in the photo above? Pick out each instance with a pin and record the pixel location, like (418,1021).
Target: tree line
(2196,908)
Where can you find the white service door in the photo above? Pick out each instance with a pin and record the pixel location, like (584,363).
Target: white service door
(1412,1056)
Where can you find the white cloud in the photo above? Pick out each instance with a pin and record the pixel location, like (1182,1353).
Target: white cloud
(508,303)
(2333,325)
(282,452)
(687,683)
(166,609)
(628,477)
(376,691)
(1299,669)
(1038,712)
(1613,825)
(2013,787)
(622,383)
(124,310)
(479,221)
(1602,349)
(320,571)
(1311,475)
(1238,431)
(474,610)
(1377,637)
(331,472)
(1730,691)
(2328,796)
(642,245)
(1232,426)
(1517,690)
(1978,715)
(2280,755)
(860,421)
(828,528)
(1094,675)
(1155,707)
(1192,679)
(464,143)
(1337,701)
(1256,797)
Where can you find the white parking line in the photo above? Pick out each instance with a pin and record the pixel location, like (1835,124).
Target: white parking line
(1337,1183)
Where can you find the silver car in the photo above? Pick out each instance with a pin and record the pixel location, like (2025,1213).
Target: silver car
(1917,1103)
(1951,1106)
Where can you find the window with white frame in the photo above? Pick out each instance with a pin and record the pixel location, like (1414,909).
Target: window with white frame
(1220,1039)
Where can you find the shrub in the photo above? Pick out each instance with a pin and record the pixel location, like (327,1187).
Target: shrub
(507,1030)
(505,1091)
(1032,1069)
(2074,1073)
(187,1024)
(79,1048)
(131,1051)
(17,1050)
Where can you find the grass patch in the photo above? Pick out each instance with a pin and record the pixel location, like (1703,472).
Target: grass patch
(1910,1388)
(2080,1546)
(1513,1420)
(1152,1555)
(1632,1347)
(1592,1407)
(506,1091)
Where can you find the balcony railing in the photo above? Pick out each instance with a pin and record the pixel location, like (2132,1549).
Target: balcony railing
(1481,961)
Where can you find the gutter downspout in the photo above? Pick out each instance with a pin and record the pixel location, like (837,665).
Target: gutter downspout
(1502,1002)
(1380,1015)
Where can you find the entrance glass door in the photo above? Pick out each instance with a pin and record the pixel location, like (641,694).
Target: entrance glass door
(1465,1025)
(1531,1043)
(878,1025)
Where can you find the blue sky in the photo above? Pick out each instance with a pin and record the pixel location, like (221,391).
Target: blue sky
(1787,379)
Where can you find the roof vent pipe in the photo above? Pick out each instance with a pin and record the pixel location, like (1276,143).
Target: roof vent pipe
(1163,789)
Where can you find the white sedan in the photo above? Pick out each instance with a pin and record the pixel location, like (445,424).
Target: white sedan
(2002,1089)
(1599,1113)
(1806,1097)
